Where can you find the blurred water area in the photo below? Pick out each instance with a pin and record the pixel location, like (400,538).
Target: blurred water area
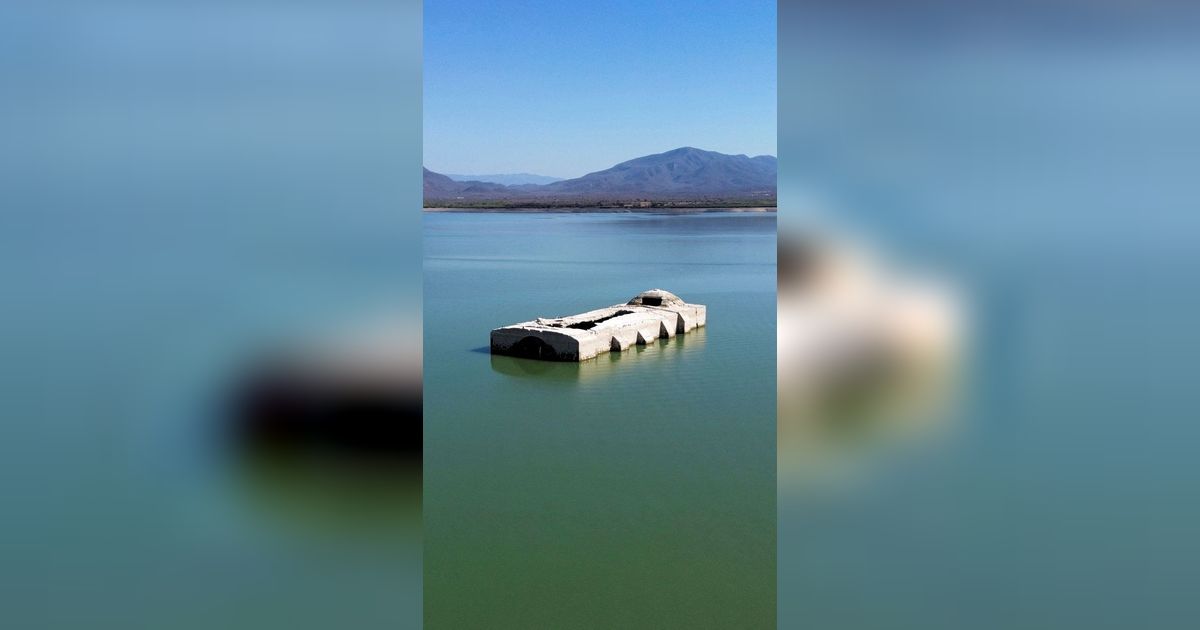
(185,190)
(1047,166)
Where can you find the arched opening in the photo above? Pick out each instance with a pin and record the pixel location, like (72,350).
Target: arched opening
(533,348)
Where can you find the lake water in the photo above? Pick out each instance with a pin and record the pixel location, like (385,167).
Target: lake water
(634,490)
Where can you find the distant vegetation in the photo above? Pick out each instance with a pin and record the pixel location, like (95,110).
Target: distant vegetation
(602,204)
(683,178)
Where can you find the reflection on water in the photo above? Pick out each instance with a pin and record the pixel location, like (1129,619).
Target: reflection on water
(649,356)
(369,503)
(868,352)
(327,436)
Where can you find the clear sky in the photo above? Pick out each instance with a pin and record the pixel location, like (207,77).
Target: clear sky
(566,87)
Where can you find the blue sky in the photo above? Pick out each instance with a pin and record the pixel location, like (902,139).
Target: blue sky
(565,88)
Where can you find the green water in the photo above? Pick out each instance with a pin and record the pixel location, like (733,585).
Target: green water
(636,490)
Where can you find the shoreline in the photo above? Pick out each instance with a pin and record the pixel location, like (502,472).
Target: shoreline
(599,209)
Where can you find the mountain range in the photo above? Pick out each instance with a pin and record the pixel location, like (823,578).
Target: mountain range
(508,179)
(686,175)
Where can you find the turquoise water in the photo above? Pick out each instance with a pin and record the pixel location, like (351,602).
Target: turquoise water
(1053,175)
(635,490)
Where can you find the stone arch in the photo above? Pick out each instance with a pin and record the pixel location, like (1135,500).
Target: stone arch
(533,348)
(684,323)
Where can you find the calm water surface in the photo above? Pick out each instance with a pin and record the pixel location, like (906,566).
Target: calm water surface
(633,490)
(1053,177)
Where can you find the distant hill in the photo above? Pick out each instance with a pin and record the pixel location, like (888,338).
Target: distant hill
(682,172)
(508,179)
(438,186)
(686,175)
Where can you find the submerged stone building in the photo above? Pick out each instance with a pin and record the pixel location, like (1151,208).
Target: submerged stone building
(651,315)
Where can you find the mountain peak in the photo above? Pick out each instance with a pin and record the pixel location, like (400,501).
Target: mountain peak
(687,151)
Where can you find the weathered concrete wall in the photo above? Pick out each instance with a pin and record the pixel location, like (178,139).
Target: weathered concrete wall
(650,315)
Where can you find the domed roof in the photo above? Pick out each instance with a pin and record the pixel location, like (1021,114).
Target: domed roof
(655,297)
